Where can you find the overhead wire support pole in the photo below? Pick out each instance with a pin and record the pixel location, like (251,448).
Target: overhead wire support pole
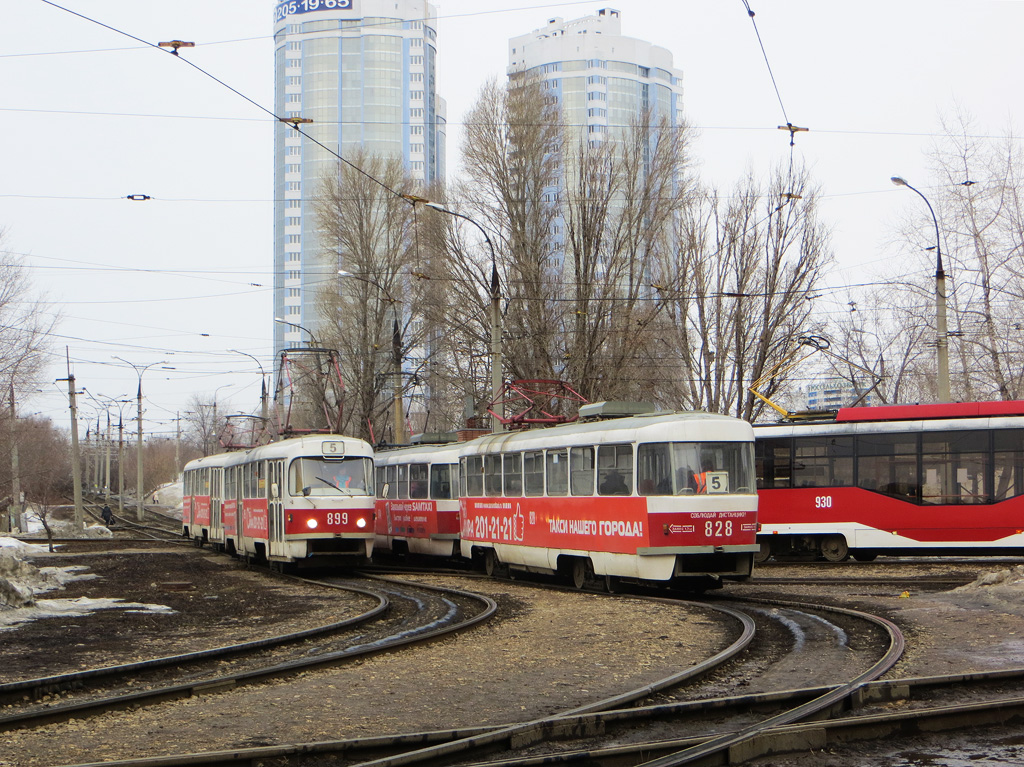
(942,339)
(497,385)
(398,422)
(76,466)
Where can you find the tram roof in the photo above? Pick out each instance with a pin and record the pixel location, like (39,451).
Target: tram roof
(691,426)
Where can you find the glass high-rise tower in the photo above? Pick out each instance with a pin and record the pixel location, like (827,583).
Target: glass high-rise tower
(364,72)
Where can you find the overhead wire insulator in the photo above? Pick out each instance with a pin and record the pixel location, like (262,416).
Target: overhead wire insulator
(793,130)
(174,45)
(138,197)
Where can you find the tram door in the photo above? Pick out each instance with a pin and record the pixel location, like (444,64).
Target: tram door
(216,499)
(275,508)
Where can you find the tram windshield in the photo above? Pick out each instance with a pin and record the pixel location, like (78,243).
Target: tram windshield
(695,468)
(319,477)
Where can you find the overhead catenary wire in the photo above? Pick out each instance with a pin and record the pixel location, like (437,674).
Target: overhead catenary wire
(174,52)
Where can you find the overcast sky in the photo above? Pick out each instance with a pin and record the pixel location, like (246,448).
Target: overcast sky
(88,117)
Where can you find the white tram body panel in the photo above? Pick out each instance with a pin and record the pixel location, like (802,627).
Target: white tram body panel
(419,514)
(652,497)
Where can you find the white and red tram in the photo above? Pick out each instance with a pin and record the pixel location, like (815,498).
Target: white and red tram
(420,512)
(902,479)
(666,497)
(308,500)
(202,498)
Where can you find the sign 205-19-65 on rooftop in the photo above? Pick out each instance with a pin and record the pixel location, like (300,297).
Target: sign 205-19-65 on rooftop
(292,7)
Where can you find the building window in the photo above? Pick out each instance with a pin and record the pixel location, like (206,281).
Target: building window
(416,148)
(295,46)
(294,150)
(294,310)
(416,130)
(293,186)
(416,77)
(415,60)
(416,42)
(292,275)
(293,168)
(417,165)
(293,204)
(416,95)
(597,80)
(294,239)
(294,80)
(293,221)
(416,112)
(597,96)
(294,98)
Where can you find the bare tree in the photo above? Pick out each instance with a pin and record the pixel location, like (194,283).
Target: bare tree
(981,208)
(25,325)
(736,293)
(370,314)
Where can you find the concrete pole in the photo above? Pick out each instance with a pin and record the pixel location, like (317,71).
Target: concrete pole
(76,458)
(120,464)
(106,482)
(139,490)
(396,361)
(10,514)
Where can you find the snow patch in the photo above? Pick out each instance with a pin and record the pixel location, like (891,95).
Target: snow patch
(21,582)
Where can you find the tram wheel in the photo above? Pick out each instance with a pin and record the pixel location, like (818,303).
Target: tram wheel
(865,556)
(611,584)
(578,572)
(764,552)
(834,548)
(490,562)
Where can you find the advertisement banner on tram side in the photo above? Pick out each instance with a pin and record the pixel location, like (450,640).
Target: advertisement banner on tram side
(254,518)
(201,510)
(415,518)
(229,517)
(927,523)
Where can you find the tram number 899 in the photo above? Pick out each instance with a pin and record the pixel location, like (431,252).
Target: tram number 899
(717,529)
(337,518)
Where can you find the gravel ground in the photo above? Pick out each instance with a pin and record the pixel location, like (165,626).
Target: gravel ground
(546,652)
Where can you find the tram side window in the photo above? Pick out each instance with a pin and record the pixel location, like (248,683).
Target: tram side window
(382,477)
(513,474)
(887,463)
(1009,463)
(533,473)
(823,462)
(654,469)
(581,471)
(473,475)
(615,469)
(419,480)
(557,472)
(442,481)
(392,477)
(954,466)
(493,475)
(403,480)
(774,463)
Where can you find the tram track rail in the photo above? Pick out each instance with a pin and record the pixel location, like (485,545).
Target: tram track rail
(456,617)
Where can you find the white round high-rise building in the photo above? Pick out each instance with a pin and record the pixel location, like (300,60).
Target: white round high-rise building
(364,72)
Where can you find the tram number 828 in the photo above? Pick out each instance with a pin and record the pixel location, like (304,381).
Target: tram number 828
(717,529)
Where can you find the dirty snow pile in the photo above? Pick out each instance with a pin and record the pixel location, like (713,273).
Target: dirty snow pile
(1003,589)
(21,582)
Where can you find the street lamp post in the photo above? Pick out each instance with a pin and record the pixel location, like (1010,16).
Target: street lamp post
(139,490)
(942,342)
(396,357)
(495,291)
(312,338)
(264,407)
(214,425)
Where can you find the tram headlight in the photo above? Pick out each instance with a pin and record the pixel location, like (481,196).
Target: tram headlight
(360,523)
(311,524)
